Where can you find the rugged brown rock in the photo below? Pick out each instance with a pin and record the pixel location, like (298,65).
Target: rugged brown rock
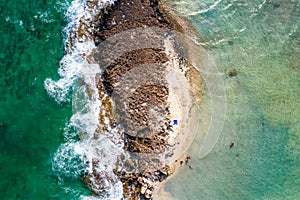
(141,107)
(130,14)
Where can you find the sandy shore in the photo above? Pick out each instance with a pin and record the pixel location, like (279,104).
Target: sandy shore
(184,96)
(182,104)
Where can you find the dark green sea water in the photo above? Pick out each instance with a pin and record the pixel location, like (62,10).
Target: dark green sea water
(260,39)
(31,123)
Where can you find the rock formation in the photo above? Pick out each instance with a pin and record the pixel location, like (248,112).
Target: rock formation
(134,92)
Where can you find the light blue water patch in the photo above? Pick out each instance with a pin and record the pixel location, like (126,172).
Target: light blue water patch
(260,41)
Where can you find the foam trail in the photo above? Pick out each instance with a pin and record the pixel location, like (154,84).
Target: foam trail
(69,71)
(76,46)
(205,10)
(69,160)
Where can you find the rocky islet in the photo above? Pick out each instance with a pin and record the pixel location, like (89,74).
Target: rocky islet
(135,92)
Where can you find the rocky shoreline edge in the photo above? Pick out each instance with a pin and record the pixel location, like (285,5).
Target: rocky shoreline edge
(145,92)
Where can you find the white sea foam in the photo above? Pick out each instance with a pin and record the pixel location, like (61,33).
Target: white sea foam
(69,160)
(68,71)
(116,195)
(78,12)
(205,10)
(74,158)
(73,61)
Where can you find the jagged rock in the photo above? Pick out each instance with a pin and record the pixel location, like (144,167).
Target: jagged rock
(140,180)
(140,96)
(148,194)
(143,189)
(232,73)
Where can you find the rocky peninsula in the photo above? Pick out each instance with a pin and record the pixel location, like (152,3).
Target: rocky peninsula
(146,88)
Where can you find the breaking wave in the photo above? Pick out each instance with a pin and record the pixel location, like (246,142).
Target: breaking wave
(77,75)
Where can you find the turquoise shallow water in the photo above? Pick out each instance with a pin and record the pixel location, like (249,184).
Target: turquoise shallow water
(260,39)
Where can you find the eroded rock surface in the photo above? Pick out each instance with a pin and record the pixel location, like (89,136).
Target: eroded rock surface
(134,90)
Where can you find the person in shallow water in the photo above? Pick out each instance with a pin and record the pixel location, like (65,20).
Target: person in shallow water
(231,145)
